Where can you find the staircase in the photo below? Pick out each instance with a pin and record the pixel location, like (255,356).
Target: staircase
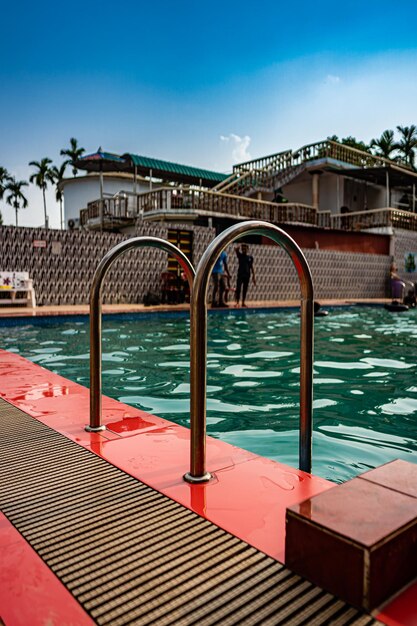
(272,172)
(261,175)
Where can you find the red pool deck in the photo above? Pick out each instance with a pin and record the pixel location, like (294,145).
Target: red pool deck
(248,496)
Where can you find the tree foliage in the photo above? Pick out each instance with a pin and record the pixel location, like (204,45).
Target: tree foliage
(385,145)
(352,142)
(58,174)
(407,144)
(15,196)
(4,179)
(41,178)
(74,152)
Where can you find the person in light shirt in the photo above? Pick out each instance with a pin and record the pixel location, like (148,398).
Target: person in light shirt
(220,277)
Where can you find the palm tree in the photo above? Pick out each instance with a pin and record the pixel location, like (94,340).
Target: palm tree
(73,153)
(385,145)
(4,179)
(41,178)
(407,143)
(58,176)
(16,198)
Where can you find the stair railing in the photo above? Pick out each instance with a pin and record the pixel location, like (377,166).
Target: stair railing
(107,261)
(198,345)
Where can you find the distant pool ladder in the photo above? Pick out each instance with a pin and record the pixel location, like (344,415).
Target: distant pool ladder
(106,262)
(199,284)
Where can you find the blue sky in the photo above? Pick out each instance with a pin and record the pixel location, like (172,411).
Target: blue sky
(206,84)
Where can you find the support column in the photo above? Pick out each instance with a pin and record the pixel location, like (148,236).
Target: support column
(315,190)
(338,193)
(388,199)
(101,211)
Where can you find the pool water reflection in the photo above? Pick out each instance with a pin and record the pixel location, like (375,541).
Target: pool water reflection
(365,396)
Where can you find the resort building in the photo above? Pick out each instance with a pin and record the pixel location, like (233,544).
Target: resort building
(322,185)
(352,214)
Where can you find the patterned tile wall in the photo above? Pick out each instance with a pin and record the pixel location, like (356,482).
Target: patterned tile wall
(62,271)
(404,242)
(335,274)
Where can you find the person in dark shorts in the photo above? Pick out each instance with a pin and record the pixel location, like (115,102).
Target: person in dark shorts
(244,272)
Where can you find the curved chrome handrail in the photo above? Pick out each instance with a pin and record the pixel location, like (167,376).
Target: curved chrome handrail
(95,313)
(198,347)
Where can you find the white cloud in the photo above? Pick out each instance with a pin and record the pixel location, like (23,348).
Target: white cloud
(240,146)
(331,79)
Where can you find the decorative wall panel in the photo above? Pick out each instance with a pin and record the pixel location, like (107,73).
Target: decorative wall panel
(62,265)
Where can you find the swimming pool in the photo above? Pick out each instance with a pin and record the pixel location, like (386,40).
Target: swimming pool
(365,396)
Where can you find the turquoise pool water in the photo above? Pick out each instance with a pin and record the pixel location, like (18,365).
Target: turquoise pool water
(365,388)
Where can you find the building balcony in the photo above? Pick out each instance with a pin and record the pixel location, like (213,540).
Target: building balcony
(170,204)
(179,205)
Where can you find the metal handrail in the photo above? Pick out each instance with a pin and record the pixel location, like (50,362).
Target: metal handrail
(198,347)
(95,313)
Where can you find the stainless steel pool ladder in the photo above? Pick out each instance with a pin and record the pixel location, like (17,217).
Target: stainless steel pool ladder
(95,313)
(198,348)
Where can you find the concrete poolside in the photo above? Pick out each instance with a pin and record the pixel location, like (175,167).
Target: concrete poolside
(83,309)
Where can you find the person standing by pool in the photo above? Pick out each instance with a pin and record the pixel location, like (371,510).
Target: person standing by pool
(244,272)
(219,276)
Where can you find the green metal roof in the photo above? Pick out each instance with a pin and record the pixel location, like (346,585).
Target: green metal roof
(180,172)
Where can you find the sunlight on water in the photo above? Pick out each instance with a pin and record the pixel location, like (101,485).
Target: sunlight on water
(365,397)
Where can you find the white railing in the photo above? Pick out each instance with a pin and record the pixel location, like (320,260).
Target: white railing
(376,218)
(166,201)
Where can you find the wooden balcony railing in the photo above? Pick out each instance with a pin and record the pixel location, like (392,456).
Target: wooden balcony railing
(168,202)
(273,161)
(377,218)
(113,209)
(324,219)
(165,201)
(276,170)
(319,150)
(339,152)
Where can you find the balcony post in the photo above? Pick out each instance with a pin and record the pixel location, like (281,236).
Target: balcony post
(315,189)
(101,200)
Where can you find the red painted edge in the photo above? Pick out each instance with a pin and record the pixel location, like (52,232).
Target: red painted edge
(30,593)
(248,496)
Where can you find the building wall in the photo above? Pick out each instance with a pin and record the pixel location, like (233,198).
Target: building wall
(405,242)
(337,191)
(336,275)
(62,271)
(81,190)
(328,200)
(339,240)
(330,195)
(298,192)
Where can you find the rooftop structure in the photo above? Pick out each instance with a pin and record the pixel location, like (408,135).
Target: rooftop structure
(322,185)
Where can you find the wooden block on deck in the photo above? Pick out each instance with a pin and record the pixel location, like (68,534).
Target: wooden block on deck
(359,539)
(397,475)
